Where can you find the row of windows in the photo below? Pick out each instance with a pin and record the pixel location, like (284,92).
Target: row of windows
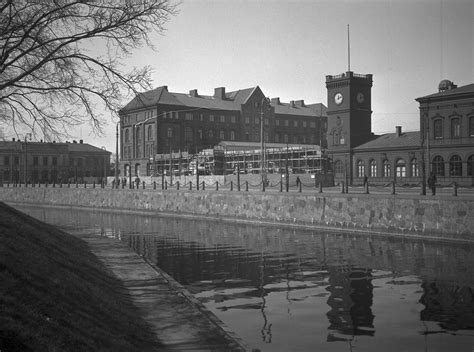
(400,168)
(7,160)
(174,115)
(455,128)
(45,160)
(454,166)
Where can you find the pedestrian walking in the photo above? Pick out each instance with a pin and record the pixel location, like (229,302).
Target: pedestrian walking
(432,183)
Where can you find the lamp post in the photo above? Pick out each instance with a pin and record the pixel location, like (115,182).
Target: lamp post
(116,152)
(26,156)
(262,141)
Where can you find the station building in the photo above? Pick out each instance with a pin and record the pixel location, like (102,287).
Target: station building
(161,122)
(444,145)
(25,161)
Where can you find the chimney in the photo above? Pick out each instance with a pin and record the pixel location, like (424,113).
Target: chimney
(219,93)
(74,141)
(299,103)
(275,101)
(13,139)
(292,103)
(81,141)
(164,88)
(398,130)
(193,92)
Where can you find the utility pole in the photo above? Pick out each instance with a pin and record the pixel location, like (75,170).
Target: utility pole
(116,153)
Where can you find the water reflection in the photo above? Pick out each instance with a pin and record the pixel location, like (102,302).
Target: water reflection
(286,290)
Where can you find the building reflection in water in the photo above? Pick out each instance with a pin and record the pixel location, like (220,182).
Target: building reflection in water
(350,301)
(452,306)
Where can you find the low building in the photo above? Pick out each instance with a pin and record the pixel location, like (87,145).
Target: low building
(33,162)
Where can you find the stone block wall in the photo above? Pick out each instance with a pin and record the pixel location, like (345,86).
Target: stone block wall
(441,216)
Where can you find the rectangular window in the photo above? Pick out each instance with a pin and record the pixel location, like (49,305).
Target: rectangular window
(287,123)
(438,129)
(304,124)
(247,120)
(6,160)
(312,124)
(232,119)
(277,122)
(188,116)
(222,118)
(35,160)
(455,128)
(295,123)
(55,160)
(211,118)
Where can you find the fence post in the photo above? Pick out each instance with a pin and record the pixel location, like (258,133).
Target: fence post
(300,187)
(203,186)
(455,189)
(231,185)
(343,187)
(320,187)
(93,184)
(190,185)
(263,185)
(154,184)
(46,184)
(166,184)
(143,184)
(393,187)
(246,186)
(177,185)
(217,185)
(85,184)
(238,183)
(366,188)
(281,186)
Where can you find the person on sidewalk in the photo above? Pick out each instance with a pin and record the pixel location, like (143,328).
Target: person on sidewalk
(432,183)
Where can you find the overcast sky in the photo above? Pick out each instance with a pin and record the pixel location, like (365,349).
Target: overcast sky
(288,47)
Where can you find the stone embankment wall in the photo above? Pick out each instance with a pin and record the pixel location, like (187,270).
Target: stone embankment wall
(440,216)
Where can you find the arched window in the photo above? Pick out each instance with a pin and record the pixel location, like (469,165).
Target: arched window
(438,165)
(277,137)
(470,166)
(150,133)
(247,136)
(338,167)
(169,132)
(137,169)
(137,133)
(127,135)
(438,128)
(211,133)
(372,168)
(401,168)
(415,172)
(386,168)
(222,134)
(455,128)
(232,135)
(455,166)
(360,168)
(336,138)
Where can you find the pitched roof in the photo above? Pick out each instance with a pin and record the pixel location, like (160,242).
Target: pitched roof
(391,141)
(84,147)
(232,102)
(464,90)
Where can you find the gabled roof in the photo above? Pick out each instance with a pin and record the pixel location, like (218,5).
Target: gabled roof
(391,141)
(464,90)
(232,102)
(84,147)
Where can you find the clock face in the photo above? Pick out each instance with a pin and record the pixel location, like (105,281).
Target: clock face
(338,98)
(360,98)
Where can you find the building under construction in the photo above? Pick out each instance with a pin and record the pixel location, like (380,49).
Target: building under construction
(243,157)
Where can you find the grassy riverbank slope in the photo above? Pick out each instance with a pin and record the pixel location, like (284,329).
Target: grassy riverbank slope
(55,295)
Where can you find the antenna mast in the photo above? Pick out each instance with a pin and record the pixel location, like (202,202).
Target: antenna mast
(348,50)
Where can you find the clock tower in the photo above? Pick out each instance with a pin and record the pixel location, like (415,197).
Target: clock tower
(349,119)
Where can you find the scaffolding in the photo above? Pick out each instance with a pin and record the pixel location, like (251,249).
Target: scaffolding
(277,158)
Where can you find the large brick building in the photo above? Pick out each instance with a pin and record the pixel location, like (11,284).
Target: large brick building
(159,121)
(43,162)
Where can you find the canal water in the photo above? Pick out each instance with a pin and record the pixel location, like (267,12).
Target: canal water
(288,290)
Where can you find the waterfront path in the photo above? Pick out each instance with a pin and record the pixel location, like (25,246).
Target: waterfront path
(180,321)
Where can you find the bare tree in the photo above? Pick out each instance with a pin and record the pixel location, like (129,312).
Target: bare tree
(62,62)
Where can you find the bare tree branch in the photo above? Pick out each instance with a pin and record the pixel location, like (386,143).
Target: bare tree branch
(48,78)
